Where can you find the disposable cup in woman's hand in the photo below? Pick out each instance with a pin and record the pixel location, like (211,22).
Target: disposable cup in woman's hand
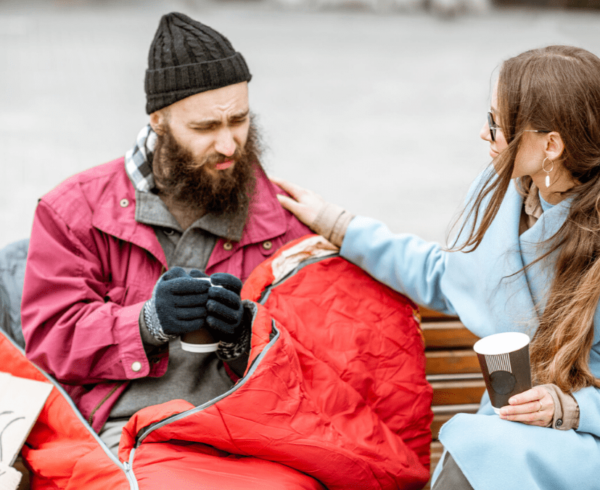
(504,360)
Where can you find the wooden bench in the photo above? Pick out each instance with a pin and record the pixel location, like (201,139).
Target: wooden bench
(452,370)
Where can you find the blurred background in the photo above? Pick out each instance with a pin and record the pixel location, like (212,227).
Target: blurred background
(375,104)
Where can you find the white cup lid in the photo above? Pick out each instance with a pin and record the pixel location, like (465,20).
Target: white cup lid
(501,343)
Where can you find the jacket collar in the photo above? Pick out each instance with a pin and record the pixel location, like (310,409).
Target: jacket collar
(266,220)
(115,214)
(150,209)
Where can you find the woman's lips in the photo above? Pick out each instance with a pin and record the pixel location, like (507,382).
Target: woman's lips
(493,154)
(224,165)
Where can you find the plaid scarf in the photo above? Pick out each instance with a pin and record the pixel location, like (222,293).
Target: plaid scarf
(138,160)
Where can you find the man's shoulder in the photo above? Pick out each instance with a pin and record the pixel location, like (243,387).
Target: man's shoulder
(270,209)
(78,199)
(266,190)
(87,187)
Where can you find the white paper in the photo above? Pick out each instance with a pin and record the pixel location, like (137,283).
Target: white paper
(21,401)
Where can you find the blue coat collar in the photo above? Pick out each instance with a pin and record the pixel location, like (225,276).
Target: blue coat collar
(492,294)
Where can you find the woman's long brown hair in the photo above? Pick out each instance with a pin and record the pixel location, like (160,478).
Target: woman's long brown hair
(556,88)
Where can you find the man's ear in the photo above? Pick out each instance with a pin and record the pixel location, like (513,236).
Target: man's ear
(158,121)
(554,146)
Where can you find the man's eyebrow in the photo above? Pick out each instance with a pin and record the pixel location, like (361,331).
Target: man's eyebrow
(205,122)
(240,115)
(216,122)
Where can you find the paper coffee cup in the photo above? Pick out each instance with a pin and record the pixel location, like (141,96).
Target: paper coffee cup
(504,361)
(195,341)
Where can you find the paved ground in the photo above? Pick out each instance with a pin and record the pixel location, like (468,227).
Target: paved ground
(380,113)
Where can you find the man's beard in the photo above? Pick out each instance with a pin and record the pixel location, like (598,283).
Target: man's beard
(184,179)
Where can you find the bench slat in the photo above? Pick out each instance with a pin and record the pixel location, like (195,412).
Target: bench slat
(452,361)
(427,314)
(457,392)
(454,409)
(446,335)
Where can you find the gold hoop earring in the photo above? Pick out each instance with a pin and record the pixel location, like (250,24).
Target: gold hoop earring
(547,180)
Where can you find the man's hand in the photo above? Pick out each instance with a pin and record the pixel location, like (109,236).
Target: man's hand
(532,407)
(225,309)
(306,205)
(179,300)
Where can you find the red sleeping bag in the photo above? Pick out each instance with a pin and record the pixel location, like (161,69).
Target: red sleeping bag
(334,397)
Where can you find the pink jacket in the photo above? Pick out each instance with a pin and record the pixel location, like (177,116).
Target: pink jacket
(90,269)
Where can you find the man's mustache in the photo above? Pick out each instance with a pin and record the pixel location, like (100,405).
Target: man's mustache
(216,158)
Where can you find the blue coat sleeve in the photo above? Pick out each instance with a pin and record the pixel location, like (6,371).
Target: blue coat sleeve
(588,399)
(404,262)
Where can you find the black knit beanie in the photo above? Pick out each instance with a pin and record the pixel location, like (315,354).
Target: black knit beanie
(186,58)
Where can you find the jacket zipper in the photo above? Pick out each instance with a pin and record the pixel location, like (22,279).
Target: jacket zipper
(157,425)
(130,475)
(117,386)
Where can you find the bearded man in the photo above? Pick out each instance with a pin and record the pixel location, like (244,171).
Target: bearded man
(116,251)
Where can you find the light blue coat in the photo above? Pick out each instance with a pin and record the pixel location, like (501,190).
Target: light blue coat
(492,453)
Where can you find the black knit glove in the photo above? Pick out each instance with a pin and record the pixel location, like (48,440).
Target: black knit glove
(178,304)
(224,306)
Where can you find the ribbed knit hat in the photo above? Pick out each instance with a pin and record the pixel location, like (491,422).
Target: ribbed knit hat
(186,58)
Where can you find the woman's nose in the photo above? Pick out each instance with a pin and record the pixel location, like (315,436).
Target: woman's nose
(484,134)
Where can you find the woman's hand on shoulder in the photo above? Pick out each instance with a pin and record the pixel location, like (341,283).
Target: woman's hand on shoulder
(304,204)
(532,407)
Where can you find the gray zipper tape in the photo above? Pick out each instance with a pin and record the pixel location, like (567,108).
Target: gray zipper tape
(199,408)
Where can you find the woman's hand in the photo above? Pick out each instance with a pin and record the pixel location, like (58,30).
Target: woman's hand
(305,204)
(532,407)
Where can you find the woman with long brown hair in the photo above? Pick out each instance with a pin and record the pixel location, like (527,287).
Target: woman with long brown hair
(526,258)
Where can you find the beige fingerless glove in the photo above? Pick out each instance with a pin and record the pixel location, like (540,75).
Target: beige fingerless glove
(332,223)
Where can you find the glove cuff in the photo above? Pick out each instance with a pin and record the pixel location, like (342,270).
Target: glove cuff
(228,351)
(153,323)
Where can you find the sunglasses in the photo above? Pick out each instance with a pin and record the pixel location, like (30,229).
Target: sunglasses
(494,127)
